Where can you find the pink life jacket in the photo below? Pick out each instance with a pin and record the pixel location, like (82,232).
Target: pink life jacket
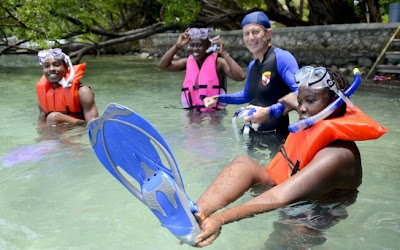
(201,83)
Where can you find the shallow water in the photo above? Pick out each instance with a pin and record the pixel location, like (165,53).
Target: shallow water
(56,195)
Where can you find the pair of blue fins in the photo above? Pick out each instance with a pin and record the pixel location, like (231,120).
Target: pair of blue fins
(128,146)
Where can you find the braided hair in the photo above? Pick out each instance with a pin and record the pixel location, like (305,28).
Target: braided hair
(339,78)
(342,83)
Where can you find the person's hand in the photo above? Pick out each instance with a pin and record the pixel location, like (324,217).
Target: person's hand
(183,39)
(57,118)
(210,101)
(259,117)
(220,43)
(290,102)
(211,228)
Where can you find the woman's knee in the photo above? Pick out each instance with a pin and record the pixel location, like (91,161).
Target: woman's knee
(247,166)
(242,159)
(246,162)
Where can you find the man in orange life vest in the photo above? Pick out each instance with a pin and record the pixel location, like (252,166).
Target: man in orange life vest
(61,96)
(205,71)
(314,162)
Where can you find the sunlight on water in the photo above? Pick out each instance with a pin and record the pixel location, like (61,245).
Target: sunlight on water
(56,195)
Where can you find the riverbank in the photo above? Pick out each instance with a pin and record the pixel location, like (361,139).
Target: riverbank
(340,47)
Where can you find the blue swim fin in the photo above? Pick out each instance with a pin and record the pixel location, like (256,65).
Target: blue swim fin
(122,139)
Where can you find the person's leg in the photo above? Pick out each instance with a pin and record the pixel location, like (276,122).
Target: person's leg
(231,183)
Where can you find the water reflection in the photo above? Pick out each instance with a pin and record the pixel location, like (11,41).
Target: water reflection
(303,225)
(49,142)
(199,133)
(207,118)
(28,153)
(263,146)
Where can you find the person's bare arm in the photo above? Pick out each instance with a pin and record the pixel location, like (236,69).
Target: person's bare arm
(42,114)
(290,102)
(42,118)
(231,69)
(227,64)
(89,108)
(166,62)
(58,118)
(337,166)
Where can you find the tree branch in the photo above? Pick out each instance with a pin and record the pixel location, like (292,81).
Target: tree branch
(130,36)
(14,45)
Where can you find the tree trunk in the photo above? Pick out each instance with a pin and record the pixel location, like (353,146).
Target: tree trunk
(331,12)
(374,13)
(276,12)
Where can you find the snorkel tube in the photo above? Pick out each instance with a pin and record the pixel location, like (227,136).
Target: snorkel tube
(302,124)
(67,83)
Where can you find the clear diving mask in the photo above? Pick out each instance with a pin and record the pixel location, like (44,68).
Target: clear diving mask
(57,54)
(318,78)
(202,33)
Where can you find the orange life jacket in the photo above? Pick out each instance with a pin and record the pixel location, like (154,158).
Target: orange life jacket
(301,147)
(64,100)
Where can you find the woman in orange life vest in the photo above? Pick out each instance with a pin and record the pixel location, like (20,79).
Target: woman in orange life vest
(294,174)
(201,61)
(62,98)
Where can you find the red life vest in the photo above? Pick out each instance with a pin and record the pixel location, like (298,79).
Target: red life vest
(201,83)
(302,146)
(64,100)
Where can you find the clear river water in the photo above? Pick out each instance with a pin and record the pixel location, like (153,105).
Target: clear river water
(55,194)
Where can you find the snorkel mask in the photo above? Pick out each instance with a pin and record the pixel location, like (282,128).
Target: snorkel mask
(204,33)
(318,78)
(57,54)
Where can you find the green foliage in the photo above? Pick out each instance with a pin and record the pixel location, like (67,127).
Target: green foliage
(384,6)
(384,9)
(51,20)
(250,4)
(39,20)
(357,10)
(180,11)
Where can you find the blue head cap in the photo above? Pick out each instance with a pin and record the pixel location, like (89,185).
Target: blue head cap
(257,17)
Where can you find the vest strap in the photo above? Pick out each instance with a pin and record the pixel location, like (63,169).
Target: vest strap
(294,167)
(195,87)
